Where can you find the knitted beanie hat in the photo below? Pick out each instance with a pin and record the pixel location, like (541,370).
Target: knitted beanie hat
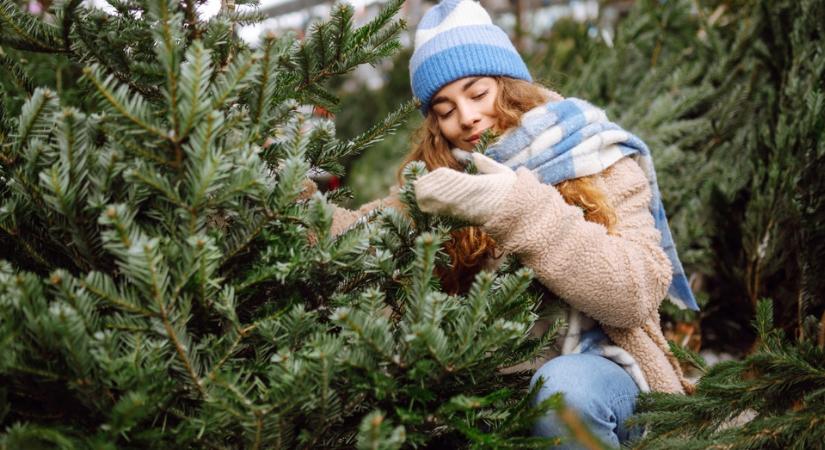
(457,39)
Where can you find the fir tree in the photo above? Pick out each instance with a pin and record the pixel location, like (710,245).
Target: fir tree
(168,282)
(773,399)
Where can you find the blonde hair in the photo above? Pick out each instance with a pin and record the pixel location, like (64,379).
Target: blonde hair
(469,247)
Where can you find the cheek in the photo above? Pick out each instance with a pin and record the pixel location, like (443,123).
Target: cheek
(490,106)
(451,131)
(448,128)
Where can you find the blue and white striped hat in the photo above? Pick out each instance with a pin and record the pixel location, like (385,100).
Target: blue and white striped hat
(457,39)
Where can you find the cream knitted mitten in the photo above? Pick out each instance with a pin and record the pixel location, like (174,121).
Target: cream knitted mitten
(473,198)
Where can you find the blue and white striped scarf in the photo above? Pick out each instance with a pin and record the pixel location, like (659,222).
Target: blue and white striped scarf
(571,138)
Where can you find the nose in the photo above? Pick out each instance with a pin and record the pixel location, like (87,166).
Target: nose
(468,115)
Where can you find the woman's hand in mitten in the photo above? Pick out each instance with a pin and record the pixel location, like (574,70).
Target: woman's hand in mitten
(473,198)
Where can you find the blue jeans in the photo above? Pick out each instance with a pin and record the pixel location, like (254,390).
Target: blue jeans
(601,392)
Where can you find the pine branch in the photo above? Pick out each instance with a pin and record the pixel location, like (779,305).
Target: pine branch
(272,51)
(35,121)
(17,72)
(33,34)
(363,327)
(156,181)
(191,19)
(196,72)
(369,43)
(235,78)
(29,249)
(388,126)
(104,288)
(132,107)
(375,433)
(242,234)
(688,355)
(167,35)
(67,20)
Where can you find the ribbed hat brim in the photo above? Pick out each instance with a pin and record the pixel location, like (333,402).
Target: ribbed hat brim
(456,62)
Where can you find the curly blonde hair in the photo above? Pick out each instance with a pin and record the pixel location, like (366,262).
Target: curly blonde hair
(470,246)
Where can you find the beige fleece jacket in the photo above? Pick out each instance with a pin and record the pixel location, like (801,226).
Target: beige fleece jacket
(619,280)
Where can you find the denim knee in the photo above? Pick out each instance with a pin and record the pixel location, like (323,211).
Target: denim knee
(568,374)
(600,391)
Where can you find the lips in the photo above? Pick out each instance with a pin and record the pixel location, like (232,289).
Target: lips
(475,137)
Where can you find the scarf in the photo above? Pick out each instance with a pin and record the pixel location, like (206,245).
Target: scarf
(571,138)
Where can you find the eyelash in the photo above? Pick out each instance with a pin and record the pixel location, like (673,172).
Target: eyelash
(477,97)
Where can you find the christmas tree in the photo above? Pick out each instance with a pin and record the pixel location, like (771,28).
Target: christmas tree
(168,279)
(772,399)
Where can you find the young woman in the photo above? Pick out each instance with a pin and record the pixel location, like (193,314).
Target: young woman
(579,211)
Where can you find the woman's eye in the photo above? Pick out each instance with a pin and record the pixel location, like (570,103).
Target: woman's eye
(446,114)
(480,96)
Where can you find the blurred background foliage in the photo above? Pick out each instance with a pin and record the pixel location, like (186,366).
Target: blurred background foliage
(370,175)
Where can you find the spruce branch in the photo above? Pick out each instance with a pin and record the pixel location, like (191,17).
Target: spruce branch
(272,50)
(30,250)
(68,18)
(367,44)
(248,180)
(365,328)
(426,247)
(87,49)
(182,351)
(132,107)
(375,433)
(62,183)
(36,118)
(105,289)
(61,196)
(156,181)
(342,27)
(168,197)
(34,35)
(17,72)
(206,177)
(767,399)
(374,134)
(191,14)
(243,233)
(139,151)
(685,354)
(231,81)
(363,34)
(242,18)
(477,300)
(195,73)
(167,35)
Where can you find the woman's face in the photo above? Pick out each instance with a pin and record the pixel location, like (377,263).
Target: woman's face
(464,110)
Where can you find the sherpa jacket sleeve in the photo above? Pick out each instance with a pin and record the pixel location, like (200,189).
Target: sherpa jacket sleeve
(617,279)
(342,218)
